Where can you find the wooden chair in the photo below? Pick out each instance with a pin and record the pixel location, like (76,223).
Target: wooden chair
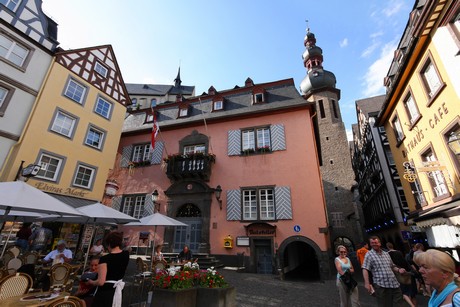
(14,264)
(68,301)
(15,250)
(59,275)
(15,285)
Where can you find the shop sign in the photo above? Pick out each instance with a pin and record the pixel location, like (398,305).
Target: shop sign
(75,192)
(261,229)
(434,120)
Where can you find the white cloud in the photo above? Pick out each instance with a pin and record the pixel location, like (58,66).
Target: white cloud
(393,8)
(373,80)
(368,51)
(344,42)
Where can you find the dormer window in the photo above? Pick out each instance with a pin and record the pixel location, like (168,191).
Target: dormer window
(217,105)
(258,98)
(100,69)
(183,112)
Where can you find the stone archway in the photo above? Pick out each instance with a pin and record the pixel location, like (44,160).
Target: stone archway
(301,258)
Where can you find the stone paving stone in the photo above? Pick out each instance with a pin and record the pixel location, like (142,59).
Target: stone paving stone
(254,290)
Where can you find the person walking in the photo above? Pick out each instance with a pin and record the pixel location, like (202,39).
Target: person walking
(407,280)
(111,270)
(348,298)
(438,271)
(385,285)
(361,253)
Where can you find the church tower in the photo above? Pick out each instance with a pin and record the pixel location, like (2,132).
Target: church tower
(319,87)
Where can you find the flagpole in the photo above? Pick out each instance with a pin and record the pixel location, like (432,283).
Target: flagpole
(205,125)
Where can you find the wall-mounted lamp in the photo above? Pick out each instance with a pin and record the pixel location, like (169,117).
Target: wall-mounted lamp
(156,205)
(24,173)
(454,142)
(218,193)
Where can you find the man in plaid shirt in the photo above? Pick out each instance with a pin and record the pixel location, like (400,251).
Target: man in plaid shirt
(385,285)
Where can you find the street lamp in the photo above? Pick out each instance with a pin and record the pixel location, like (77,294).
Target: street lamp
(154,200)
(218,193)
(454,142)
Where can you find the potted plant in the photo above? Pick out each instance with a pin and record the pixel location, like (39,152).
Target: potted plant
(214,291)
(174,288)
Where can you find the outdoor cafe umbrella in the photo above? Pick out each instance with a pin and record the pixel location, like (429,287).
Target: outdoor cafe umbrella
(19,196)
(96,214)
(156,219)
(19,200)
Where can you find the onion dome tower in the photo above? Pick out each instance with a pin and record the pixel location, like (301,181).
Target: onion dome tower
(319,88)
(317,78)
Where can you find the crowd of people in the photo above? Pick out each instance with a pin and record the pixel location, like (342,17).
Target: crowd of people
(395,279)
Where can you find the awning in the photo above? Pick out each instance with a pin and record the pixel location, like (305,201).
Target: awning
(73,201)
(445,214)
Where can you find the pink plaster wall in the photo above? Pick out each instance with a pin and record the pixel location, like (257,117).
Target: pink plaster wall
(296,167)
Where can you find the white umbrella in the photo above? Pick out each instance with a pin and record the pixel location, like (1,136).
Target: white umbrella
(156,219)
(96,214)
(19,196)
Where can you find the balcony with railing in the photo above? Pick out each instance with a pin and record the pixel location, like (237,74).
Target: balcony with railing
(196,166)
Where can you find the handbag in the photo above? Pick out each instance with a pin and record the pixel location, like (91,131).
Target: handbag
(349,282)
(403,279)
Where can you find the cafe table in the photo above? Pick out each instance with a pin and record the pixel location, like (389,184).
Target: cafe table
(34,299)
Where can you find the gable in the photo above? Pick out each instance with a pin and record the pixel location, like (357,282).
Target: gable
(83,63)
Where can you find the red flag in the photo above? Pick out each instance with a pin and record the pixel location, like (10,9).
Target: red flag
(154,129)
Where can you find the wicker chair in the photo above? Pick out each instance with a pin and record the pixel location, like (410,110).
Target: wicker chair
(15,250)
(68,301)
(15,285)
(7,256)
(30,258)
(141,265)
(159,265)
(3,272)
(59,275)
(14,264)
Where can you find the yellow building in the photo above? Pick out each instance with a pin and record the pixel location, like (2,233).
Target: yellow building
(74,128)
(421,116)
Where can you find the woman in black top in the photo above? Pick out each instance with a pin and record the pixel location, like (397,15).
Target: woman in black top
(112,268)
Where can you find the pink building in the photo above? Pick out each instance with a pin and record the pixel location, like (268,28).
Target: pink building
(256,143)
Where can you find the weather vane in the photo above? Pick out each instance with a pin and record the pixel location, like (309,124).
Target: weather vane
(308,27)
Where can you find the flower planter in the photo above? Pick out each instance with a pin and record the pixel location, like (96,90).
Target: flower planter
(174,298)
(216,297)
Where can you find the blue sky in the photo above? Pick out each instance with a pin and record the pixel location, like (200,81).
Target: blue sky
(221,43)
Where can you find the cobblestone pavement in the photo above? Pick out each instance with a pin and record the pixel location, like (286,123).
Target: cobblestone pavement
(254,290)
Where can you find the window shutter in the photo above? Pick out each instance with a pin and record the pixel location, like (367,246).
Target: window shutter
(283,203)
(126,155)
(116,203)
(148,204)
(234,143)
(157,153)
(233,205)
(278,138)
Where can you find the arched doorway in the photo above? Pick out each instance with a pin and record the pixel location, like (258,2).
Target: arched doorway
(301,259)
(189,214)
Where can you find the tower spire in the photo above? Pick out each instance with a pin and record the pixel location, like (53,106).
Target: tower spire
(178,81)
